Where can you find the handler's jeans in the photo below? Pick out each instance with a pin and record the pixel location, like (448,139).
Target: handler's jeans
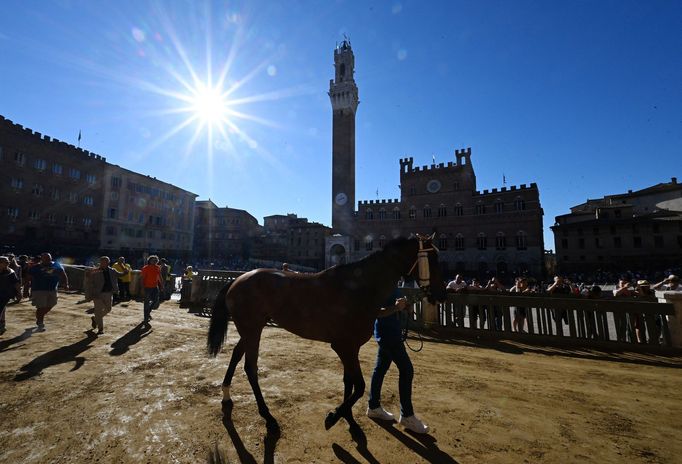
(102,304)
(151,300)
(393,352)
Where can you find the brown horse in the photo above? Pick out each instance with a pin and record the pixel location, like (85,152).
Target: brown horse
(337,306)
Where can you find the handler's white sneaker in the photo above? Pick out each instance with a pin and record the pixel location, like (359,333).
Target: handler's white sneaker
(414,424)
(380,413)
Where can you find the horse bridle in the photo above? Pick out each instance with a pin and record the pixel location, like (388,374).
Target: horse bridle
(422,264)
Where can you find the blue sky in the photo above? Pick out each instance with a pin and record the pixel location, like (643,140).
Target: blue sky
(582,97)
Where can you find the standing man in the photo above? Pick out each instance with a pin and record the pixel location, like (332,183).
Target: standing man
(102,285)
(125,276)
(151,281)
(10,287)
(388,334)
(45,279)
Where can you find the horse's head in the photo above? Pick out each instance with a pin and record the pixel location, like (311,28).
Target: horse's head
(426,270)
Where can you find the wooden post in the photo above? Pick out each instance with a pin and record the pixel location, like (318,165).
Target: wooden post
(674,321)
(429,313)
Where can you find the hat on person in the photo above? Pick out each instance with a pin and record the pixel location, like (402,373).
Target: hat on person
(673,278)
(643,283)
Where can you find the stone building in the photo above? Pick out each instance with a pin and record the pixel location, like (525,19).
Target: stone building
(495,231)
(51,194)
(57,197)
(141,214)
(640,230)
(223,233)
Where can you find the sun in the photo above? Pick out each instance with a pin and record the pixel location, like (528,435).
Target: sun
(208,105)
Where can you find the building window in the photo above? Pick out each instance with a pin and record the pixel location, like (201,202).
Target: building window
(69,220)
(87,200)
(90,179)
(369,214)
(382,214)
(369,244)
(116,182)
(637,242)
(480,208)
(73,197)
(500,241)
(19,158)
(57,169)
(658,241)
(33,215)
(412,190)
(427,211)
(521,241)
(17,183)
(382,241)
(499,206)
(87,222)
(37,190)
(459,210)
(40,164)
(617,242)
(413,212)
(13,212)
(396,214)
(54,194)
(564,243)
(51,218)
(482,241)
(74,173)
(455,186)
(442,242)
(442,211)
(114,196)
(519,204)
(356,244)
(459,242)
(112,213)
(617,213)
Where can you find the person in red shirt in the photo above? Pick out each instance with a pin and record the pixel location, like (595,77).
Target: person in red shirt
(151,281)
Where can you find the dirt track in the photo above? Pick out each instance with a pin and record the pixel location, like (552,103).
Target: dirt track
(132,396)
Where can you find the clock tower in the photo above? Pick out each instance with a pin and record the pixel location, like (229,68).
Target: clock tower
(343,94)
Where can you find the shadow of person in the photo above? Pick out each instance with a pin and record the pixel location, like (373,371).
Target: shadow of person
(61,355)
(360,438)
(5,344)
(422,444)
(245,457)
(343,455)
(123,344)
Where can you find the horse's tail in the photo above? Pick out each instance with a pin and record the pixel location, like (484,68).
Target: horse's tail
(218,328)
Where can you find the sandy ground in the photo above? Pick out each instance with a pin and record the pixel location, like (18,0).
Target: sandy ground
(134,396)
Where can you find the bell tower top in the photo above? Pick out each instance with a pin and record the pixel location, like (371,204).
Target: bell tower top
(343,92)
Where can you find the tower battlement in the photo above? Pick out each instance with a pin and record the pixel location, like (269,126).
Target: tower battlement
(462,158)
(384,202)
(40,138)
(513,188)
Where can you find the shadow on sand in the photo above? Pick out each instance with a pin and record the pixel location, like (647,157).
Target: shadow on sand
(5,344)
(61,355)
(245,457)
(123,344)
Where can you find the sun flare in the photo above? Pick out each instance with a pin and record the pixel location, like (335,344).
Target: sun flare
(209,105)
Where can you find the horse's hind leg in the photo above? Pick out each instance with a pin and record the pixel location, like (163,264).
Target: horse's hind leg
(251,368)
(354,386)
(237,354)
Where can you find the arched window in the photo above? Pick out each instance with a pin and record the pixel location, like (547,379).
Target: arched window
(443,242)
(521,240)
(519,204)
(369,243)
(413,212)
(442,210)
(382,214)
(459,210)
(482,241)
(382,241)
(427,211)
(499,206)
(480,207)
(459,242)
(369,214)
(455,186)
(396,214)
(500,241)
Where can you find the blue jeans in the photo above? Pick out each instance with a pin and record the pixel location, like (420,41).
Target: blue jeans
(151,300)
(393,352)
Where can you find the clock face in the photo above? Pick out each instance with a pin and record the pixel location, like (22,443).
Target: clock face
(341,199)
(433,186)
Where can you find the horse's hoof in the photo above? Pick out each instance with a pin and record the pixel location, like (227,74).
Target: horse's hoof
(331,420)
(227,406)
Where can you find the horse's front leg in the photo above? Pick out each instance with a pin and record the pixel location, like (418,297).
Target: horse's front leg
(354,386)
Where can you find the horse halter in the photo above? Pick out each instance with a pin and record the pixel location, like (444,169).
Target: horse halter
(422,263)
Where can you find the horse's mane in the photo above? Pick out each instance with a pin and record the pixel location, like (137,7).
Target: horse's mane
(369,261)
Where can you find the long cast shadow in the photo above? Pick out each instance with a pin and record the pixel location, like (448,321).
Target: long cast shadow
(245,457)
(61,355)
(123,344)
(5,344)
(422,444)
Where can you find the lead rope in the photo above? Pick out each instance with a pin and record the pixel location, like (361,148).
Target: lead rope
(406,328)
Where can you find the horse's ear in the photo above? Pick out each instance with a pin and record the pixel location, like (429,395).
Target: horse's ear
(433,235)
(412,235)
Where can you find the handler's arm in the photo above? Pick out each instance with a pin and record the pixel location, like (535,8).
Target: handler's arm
(399,305)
